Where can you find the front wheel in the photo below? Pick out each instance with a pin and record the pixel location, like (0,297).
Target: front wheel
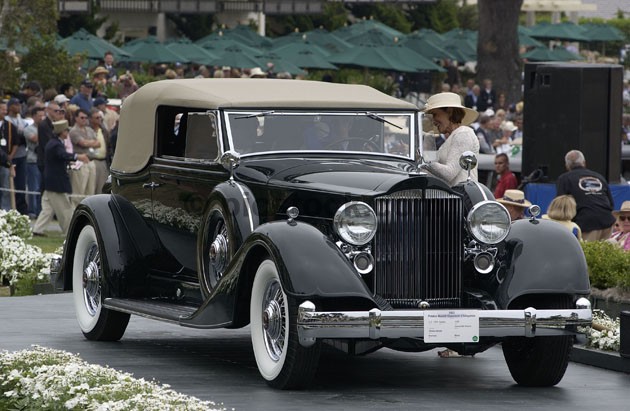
(96,322)
(539,361)
(281,360)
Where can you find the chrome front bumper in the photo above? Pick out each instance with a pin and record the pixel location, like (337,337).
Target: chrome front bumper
(375,324)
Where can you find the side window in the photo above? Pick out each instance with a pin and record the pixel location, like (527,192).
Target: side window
(201,136)
(184,132)
(171,131)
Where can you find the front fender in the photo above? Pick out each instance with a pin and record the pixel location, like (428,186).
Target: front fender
(127,243)
(309,264)
(241,203)
(544,258)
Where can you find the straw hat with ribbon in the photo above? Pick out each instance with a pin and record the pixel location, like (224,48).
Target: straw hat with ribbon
(444,100)
(515,198)
(625,208)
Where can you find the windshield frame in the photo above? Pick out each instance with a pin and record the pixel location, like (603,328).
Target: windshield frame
(231,116)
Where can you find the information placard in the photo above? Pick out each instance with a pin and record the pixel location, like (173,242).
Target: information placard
(441,326)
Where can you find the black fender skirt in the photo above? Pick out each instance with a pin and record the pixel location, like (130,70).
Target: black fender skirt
(544,258)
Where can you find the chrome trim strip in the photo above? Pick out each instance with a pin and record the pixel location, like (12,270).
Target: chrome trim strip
(376,324)
(483,193)
(249,209)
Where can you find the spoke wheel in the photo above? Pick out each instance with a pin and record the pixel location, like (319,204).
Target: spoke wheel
(281,360)
(95,321)
(217,249)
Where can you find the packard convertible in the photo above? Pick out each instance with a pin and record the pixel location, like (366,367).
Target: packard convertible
(301,209)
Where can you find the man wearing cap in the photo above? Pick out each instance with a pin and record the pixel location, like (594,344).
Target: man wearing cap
(83,98)
(452,120)
(55,199)
(62,100)
(514,201)
(592,195)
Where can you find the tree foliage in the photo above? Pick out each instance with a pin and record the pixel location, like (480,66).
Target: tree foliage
(23,21)
(51,64)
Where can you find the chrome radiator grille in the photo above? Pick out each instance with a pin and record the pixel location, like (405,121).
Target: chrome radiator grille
(418,248)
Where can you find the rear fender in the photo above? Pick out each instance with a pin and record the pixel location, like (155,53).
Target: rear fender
(127,242)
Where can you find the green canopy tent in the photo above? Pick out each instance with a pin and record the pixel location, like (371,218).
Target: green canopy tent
(151,50)
(545,54)
(602,33)
(279,64)
(95,47)
(560,31)
(237,56)
(327,40)
(424,46)
(305,55)
(193,52)
(364,26)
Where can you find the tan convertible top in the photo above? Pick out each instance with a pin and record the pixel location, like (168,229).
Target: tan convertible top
(136,133)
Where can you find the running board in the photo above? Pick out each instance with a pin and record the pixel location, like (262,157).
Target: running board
(157,310)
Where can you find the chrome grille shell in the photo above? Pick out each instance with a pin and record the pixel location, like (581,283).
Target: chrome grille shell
(419,248)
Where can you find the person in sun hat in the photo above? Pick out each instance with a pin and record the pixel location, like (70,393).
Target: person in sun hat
(515,202)
(257,72)
(57,186)
(622,237)
(452,120)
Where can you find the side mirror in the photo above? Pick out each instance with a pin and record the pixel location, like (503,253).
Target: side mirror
(230,160)
(468,161)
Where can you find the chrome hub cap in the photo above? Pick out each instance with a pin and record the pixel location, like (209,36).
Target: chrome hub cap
(92,280)
(274,321)
(218,251)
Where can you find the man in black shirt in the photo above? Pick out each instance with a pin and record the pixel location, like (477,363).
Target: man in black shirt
(592,195)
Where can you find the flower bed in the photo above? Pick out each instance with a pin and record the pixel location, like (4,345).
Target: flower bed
(21,265)
(44,378)
(604,334)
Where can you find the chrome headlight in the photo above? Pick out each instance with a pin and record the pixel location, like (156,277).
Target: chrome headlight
(355,222)
(489,222)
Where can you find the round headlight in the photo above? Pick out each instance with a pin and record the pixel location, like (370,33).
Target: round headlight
(355,222)
(489,222)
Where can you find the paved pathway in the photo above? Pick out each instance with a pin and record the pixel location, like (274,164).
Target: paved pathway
(218,365)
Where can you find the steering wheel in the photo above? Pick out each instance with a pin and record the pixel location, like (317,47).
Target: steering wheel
(366,145)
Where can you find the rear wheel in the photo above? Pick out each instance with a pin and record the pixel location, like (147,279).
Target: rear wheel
(96,322)
(539,361)
(281,360)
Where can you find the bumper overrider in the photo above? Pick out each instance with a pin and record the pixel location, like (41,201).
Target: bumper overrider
(375,324)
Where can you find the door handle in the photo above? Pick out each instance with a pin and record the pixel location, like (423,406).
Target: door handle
(151,185)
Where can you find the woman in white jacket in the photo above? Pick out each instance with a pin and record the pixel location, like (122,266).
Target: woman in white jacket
(452,120)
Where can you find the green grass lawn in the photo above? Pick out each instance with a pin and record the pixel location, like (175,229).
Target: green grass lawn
(50,243)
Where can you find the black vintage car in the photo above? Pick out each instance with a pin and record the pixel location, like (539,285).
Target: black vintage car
(298,208)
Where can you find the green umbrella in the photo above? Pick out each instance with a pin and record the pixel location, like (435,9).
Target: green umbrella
(95,47)
(151,50)
(218,44)
(545,54)
(373,37)
(327,40)
(525,39)
(602,32)
(191,51)
(364,26)
(247,35)
(236,56)
(305,55)
(425,47)
(279,64)
(395,58)
(561,31)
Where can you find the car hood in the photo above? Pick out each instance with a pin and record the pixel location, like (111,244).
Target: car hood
(355,176)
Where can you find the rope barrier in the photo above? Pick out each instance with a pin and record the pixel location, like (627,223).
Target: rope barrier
(36,192)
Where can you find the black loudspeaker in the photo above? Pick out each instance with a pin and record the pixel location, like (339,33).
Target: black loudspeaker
(572,106)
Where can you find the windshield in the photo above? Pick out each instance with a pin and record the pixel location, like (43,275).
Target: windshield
(252,132)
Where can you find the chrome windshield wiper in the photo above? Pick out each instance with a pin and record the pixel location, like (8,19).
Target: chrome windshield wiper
(382,119)
(261,114)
